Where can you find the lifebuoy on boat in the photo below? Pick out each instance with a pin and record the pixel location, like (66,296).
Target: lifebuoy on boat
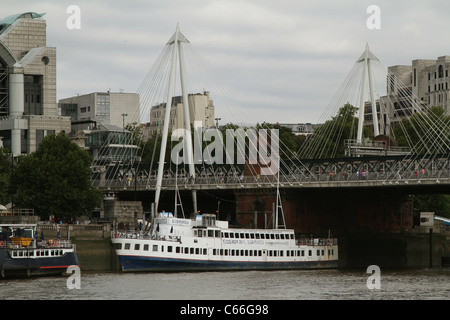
(2,244)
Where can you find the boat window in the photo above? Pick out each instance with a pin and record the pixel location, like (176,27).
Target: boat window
(310,253)
(145,247)
(186,250)
(226,252)
(303,253)
(205,251)
(217,232)
(318,252)
(177,249)
(136,246)
(272,236)
(31,253)
(282,236)
(257,236)
(332,252)
(155,248)
(127,246)
(323,252)
(197,251)
(252,235)
(232,235)
(191,251)
(246,252)
(242,252)
(227,235)
(259,253)
(247,236)
(270,253)
(281,253)
(169,248)
(162,248)
(38,253)
(277,236)
(195,233)
(210,233)
(236,235)
(214,252)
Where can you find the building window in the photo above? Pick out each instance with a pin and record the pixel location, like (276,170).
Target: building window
(441,71)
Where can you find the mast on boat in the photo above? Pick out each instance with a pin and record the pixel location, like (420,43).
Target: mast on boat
(176,41)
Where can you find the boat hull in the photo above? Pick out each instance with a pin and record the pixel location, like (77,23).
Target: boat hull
(30,267)
(156,264)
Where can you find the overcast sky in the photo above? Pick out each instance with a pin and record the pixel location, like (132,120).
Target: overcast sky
(285,58)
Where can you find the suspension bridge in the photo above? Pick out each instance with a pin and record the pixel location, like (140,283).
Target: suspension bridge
(349,178)
(316,164)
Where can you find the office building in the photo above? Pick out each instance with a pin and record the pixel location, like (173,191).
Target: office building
(108,108)
(201,108)
(28,107)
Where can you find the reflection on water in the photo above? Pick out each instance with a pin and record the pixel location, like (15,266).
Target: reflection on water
(248,285)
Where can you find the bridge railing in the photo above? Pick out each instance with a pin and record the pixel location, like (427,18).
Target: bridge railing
(285,180)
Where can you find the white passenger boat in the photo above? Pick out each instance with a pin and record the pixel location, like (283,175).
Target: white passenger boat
(208,244)
(204,243)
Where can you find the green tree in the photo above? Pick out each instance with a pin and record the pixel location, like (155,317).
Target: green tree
(427,132)
(437,203)
(5,177)
(328,140)
(55,180)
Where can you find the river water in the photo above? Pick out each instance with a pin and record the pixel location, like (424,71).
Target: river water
(423,284)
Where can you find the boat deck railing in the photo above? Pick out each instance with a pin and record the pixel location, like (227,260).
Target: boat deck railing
(37,244)
(147,235)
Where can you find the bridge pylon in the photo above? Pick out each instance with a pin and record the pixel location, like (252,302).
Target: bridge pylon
(366,59)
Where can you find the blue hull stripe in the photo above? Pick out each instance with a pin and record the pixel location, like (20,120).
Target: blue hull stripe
(137,263)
